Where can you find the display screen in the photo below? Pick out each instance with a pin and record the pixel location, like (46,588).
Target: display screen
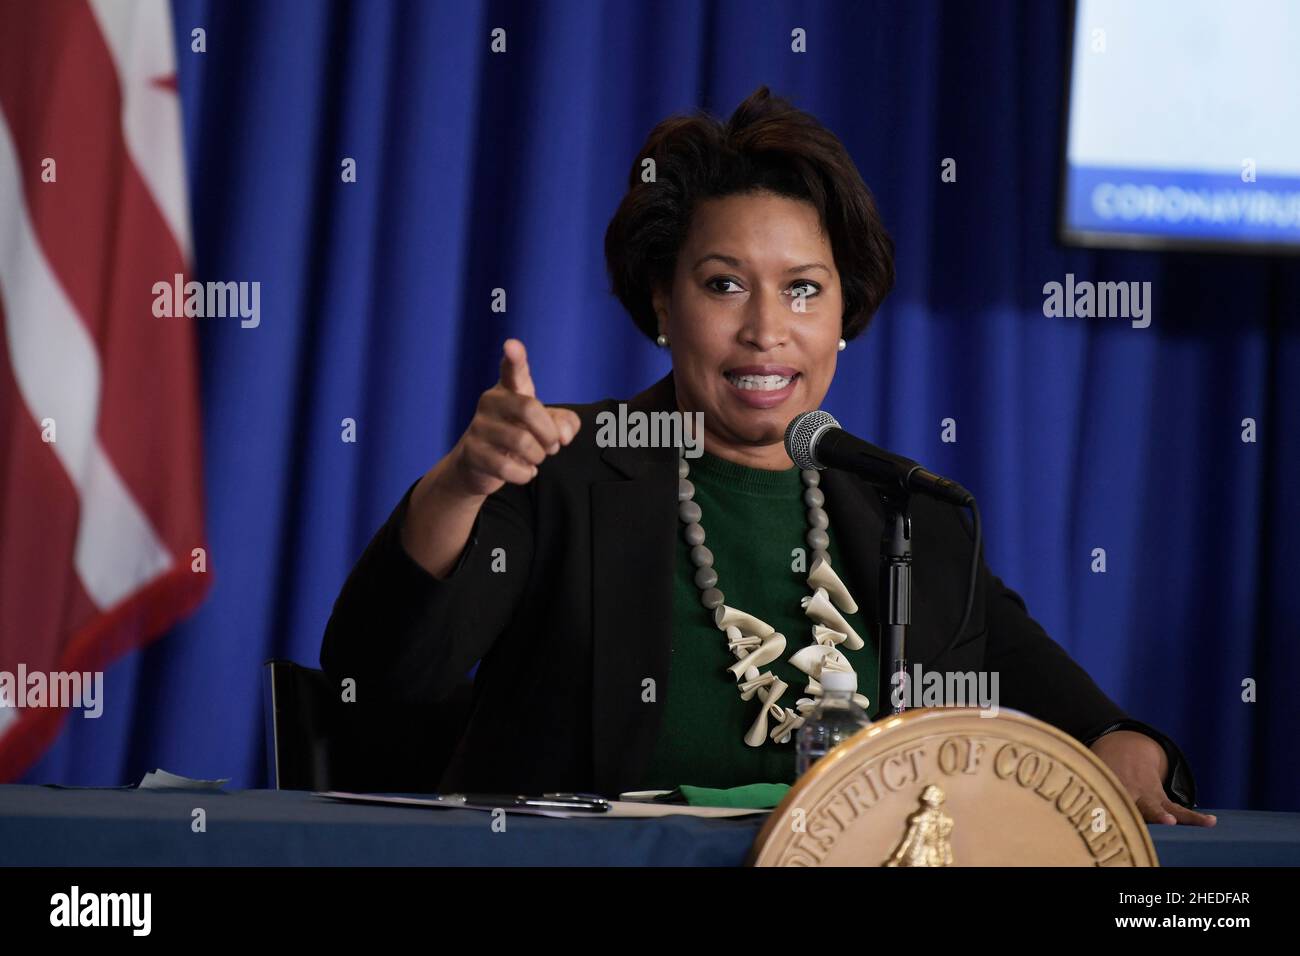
(1184,124)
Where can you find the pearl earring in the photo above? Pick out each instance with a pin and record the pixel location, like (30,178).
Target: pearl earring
(842,346)
(662,341)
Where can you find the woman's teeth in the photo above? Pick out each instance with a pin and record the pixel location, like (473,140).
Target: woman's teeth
(760,383)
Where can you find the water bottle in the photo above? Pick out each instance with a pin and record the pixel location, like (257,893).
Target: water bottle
(835,720)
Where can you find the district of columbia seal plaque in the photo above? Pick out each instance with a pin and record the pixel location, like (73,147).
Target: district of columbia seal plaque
(948,787)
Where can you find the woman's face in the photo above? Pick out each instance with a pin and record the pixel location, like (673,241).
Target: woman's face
(753,320)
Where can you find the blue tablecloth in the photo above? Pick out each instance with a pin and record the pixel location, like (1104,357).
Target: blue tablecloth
(41,826)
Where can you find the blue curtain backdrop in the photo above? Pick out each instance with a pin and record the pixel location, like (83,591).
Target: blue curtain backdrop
(478,170)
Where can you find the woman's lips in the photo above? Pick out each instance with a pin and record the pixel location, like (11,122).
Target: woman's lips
(760,387)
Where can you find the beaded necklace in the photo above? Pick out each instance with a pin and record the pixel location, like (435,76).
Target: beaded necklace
(756,643)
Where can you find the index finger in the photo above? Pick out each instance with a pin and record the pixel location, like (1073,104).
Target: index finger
(514,369)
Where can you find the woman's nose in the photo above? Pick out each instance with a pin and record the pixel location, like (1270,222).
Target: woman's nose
(767,318)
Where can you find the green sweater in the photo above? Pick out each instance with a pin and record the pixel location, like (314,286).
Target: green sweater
(753,519)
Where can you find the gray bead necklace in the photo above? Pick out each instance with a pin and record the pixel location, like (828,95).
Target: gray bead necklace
(756,643)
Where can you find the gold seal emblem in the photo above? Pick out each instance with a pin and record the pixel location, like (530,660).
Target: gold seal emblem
(926,842)
(947,787)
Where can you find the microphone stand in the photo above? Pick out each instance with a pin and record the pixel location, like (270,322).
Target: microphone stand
(894,604)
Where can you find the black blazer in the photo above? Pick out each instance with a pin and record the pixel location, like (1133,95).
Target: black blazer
(581,615)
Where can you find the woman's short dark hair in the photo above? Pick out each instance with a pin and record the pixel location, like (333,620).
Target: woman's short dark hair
(768,144)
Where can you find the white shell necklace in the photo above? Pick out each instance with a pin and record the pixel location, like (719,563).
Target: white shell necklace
(756,643)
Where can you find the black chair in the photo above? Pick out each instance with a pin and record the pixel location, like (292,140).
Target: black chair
(315,741)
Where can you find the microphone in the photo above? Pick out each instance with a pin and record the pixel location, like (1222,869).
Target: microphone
(815,440)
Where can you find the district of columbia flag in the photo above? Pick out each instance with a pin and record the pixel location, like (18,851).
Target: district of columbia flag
(101,497)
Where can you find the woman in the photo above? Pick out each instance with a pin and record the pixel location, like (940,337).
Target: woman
(574,567)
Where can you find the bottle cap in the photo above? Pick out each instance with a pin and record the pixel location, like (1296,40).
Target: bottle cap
(839,681)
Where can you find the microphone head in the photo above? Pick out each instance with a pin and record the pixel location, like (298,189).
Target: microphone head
(801,437)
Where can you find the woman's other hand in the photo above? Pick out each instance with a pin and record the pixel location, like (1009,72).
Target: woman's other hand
(1141,765)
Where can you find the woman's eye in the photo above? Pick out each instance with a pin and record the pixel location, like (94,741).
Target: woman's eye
(805,288)
(717,282)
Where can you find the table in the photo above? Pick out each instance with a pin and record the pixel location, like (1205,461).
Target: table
(44,826)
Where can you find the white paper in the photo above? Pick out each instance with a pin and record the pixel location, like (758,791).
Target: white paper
(618,809)
(162,780)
